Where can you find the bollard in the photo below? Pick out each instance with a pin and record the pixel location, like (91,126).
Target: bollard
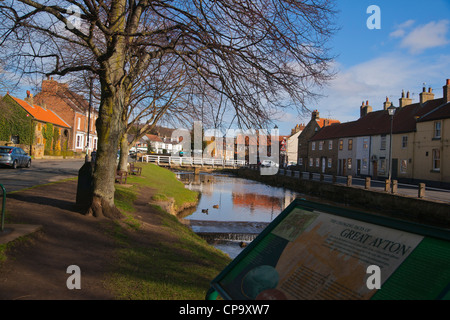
(367,183)
(349,181)
(421,190)
(387,185)
(321,177)
(300,175)
(334,179)
(310,176)
(394,186)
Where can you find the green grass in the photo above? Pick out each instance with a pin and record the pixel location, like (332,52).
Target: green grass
(165,184)
(177,269)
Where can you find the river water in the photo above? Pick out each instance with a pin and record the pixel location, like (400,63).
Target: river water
(232,211)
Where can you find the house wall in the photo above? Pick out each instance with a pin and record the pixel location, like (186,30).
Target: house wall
(380,152)
(292,148)
(404,155)
(303,144)
(424,145)
(362,152)
(325,160)
(347,156)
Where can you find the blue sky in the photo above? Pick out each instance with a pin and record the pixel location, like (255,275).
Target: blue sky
(411,48)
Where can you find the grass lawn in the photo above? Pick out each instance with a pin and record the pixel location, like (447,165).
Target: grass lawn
(177,264)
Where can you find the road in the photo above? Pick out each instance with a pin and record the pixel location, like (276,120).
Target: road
(41,172)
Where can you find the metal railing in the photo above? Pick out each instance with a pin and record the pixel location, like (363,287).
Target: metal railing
(191,161)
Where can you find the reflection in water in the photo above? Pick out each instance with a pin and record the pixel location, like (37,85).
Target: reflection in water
(229,207)
(228,198)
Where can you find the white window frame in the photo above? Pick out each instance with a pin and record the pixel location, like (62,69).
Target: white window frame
(79,143)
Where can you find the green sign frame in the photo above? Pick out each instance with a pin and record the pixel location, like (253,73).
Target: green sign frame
(314,251)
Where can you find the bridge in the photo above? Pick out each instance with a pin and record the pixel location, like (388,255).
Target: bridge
(192,161)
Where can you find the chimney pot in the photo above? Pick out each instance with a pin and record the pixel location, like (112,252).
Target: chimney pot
(28,93)
(448,82)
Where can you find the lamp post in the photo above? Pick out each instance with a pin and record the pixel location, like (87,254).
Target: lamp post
(391,111)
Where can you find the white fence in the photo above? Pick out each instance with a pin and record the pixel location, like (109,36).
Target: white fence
(190,161)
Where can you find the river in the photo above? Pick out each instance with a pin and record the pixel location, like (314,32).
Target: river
(232,211)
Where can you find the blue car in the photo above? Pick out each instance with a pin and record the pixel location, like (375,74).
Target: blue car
(14,157)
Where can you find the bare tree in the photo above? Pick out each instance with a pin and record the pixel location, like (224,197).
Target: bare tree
(258,55)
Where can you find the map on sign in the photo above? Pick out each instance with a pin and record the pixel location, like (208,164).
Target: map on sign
(315,252)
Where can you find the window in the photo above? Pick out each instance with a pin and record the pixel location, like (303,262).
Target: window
(403,166)
(383,142)
(341,144)
(330,145)
(330,162)
(382,166)
(350,144)
(79,123)
(317,162)
(365,143)
(79,141)
(349,163)
(437,129)
(404,142)
(436,160)
(311,162)
(365,163)
(313,146)
(321,145)
(300,161)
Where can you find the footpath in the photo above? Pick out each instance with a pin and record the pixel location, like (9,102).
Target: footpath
(36,267)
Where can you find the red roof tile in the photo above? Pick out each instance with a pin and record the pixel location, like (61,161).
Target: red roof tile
(41,114)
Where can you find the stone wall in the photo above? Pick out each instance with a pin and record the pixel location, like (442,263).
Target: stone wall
(416,210)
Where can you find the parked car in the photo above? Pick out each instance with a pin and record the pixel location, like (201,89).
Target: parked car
(14,157)
(269,163)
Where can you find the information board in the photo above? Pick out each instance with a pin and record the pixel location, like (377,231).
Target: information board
(313,251)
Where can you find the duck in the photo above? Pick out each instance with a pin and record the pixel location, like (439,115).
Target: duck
(204,210)
(216,206)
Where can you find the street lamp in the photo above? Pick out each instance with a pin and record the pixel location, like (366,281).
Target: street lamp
(391,111)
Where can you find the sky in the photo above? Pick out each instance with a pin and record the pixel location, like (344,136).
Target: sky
(411,48)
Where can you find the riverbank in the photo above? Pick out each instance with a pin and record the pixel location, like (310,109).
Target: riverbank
(147,255)
(415,210)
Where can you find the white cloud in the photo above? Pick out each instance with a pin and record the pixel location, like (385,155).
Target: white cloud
(431,35)
(401,29)
(382,77)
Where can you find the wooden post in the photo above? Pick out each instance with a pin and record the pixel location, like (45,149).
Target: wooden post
(349,181)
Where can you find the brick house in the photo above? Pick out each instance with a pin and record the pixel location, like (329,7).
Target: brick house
(74,110)
(50,131)
(314,125)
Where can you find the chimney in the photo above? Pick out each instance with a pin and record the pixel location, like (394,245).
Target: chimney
(387,104)
(49,86)
(315,115)
(29,98)
(405,101)
(365,109)
(426,96)
(447,92)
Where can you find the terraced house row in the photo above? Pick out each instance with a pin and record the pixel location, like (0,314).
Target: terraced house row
(420,141)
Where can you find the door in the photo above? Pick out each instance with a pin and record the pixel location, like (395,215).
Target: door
(358,167)
(344,167)
(394,169)
(324,161)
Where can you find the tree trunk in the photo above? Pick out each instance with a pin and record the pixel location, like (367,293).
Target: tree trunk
(124,150)
(109,130)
